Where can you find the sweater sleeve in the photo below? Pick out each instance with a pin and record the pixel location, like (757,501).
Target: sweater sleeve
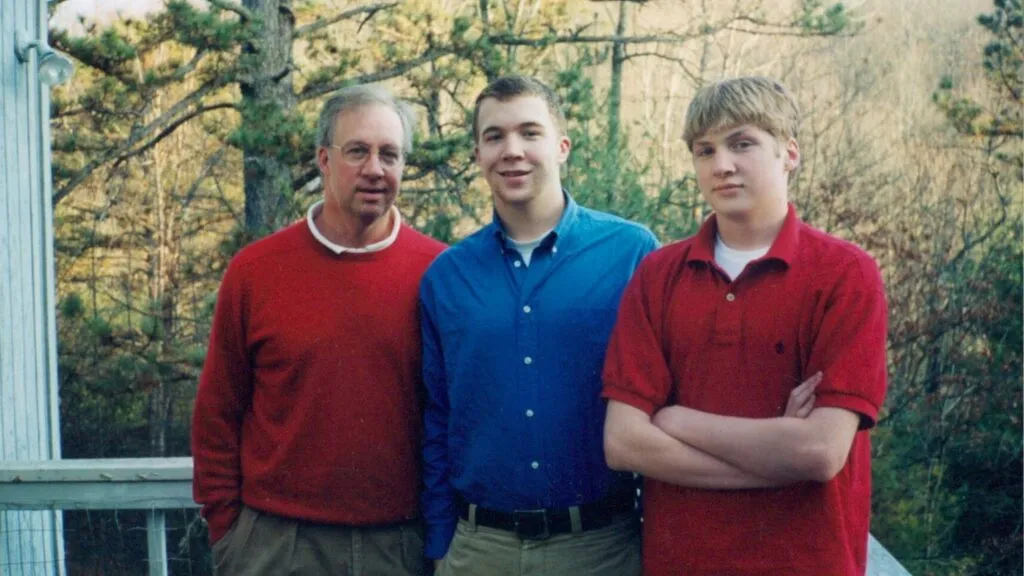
(438,495)
(224,395)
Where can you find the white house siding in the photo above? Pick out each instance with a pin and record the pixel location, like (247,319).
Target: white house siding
(30,542)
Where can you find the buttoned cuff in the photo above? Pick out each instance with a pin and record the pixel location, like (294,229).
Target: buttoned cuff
(438,538)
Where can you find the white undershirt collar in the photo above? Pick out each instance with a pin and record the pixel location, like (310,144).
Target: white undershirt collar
(526,248)
(733,261)
(315,210)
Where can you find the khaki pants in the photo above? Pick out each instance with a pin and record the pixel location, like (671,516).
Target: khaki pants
(480,551)
(263,544)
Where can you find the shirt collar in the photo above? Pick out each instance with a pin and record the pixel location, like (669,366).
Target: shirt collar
(315,210)
(783,247)
(570,215)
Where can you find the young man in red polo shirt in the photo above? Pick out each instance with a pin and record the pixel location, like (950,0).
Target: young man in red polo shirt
(714,335)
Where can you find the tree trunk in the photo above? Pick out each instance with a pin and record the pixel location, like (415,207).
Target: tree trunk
(266,90)
(615,90)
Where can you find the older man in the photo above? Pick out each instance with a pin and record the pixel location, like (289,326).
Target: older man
(307,422)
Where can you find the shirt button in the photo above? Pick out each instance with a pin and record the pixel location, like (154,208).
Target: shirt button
(527,360)
(730,296)
(554,249)
(529,413)
(527,309)
(517,263)
(534,464)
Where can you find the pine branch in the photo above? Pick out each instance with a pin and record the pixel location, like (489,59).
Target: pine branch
(242,11)
(159,124)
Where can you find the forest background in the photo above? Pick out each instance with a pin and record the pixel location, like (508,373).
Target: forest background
(189,131)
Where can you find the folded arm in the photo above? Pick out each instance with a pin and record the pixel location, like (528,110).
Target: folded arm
(632,442)
(783,450)
(849,345)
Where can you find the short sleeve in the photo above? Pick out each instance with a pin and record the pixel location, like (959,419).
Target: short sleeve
(635,370)
(849,347)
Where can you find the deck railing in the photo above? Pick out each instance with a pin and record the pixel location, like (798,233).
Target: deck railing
(156,485)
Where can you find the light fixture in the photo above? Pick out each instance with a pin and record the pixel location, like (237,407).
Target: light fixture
(54,67)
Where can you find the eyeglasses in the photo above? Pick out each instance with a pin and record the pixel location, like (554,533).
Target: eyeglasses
(358,154)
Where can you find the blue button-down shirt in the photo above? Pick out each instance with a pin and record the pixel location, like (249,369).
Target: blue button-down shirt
(512,359)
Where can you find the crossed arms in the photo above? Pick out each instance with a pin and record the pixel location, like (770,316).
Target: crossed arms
(696,449)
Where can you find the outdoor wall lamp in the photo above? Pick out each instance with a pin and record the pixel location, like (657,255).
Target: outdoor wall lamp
(54,68)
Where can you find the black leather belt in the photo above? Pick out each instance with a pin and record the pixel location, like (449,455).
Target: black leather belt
(541,523)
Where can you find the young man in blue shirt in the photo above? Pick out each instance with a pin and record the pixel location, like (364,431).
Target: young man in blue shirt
(515,321)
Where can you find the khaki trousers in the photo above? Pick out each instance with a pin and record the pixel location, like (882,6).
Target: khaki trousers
(263,544)
(480,551)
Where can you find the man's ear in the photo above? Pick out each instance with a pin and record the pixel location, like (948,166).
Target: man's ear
(322,160)
(792,153)
(564,147)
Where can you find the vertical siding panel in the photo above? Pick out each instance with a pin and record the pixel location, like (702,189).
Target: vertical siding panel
(30,542)
(46,274)
(11,551)
(23,190)
(7,115)
(7,77)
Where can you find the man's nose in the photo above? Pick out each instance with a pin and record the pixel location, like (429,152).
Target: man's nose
(723,164)
(513,147)
(373,167)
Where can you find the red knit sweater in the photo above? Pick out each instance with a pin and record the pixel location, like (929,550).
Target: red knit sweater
(309,401)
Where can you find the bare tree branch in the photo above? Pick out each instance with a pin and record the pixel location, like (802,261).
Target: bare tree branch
(165,119)
(511,40)
(317,90)
(681,62)
(207,168)
(169,130)
(370,10)
(795,32)
(305,179)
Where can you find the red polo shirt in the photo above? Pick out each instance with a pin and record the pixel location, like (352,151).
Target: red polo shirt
(687,335)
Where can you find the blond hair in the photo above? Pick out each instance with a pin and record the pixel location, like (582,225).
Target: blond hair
(755,100)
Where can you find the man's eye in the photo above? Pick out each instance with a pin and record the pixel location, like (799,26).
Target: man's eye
(356,153)
(492,137)
(702,152)
(532,133)
(743,144)
(389,158)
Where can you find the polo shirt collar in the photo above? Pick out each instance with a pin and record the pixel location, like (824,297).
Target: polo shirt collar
(570,215)
(783,248)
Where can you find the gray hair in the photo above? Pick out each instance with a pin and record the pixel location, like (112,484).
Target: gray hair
(356,97)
